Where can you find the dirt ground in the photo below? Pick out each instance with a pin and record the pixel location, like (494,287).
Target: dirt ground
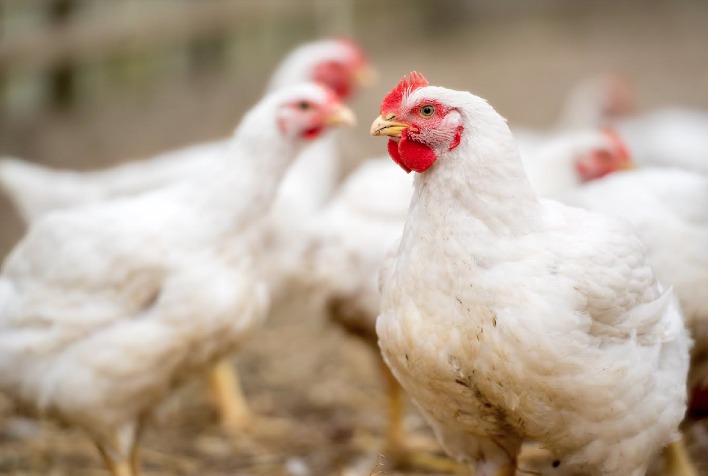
(319,388)
(320,406)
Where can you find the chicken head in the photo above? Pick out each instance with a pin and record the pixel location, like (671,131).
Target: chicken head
(309,114)
(419,128)
(610,156)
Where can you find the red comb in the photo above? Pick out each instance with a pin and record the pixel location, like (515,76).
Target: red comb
(404,86)
(617,142)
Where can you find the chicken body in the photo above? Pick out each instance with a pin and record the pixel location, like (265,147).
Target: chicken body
(507,317)
(105,308)
(351,236)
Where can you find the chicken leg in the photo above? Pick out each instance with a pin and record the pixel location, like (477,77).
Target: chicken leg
(120,454)
(231,404)
(394,394)
(676,460)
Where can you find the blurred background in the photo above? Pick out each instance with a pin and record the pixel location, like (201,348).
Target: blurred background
(88,83)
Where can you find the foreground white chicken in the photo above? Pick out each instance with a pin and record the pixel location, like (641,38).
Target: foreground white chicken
(507,317)
(104,308)
(338,63)
(352,235)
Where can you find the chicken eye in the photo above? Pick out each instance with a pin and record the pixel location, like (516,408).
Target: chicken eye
(427,111)
(303,105)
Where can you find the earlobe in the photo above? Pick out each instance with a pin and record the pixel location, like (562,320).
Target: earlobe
(458,137)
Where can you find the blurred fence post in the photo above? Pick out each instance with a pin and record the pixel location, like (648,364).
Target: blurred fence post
(207,52)
(62,76)
(3,71)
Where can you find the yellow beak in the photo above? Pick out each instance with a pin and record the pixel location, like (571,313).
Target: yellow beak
(366,76)
(387,127)
(340,115)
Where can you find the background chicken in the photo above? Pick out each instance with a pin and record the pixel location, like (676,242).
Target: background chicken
(563,162)
(348,240)
(338,63)
(105,308)
(509,318)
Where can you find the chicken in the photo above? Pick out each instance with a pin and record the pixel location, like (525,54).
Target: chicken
(338,63)
(668,208)
(508,317)
(350,237)
(567,160)
(105,308)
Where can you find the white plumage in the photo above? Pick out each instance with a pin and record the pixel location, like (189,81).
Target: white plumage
(551,165)
(668,208)
(104,308)
(507,317)
(671,137)
(351,235)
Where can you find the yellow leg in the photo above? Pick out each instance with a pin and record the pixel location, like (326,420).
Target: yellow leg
(676,460)
(233,410)
(135,461)
(117,468)
(394,394)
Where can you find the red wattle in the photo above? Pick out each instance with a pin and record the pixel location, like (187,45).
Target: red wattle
(393,152)
(415,155)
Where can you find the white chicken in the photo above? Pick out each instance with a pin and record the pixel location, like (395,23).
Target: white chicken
(105,308)
(507,317)
(352,235)
(568,160)
(338,63)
